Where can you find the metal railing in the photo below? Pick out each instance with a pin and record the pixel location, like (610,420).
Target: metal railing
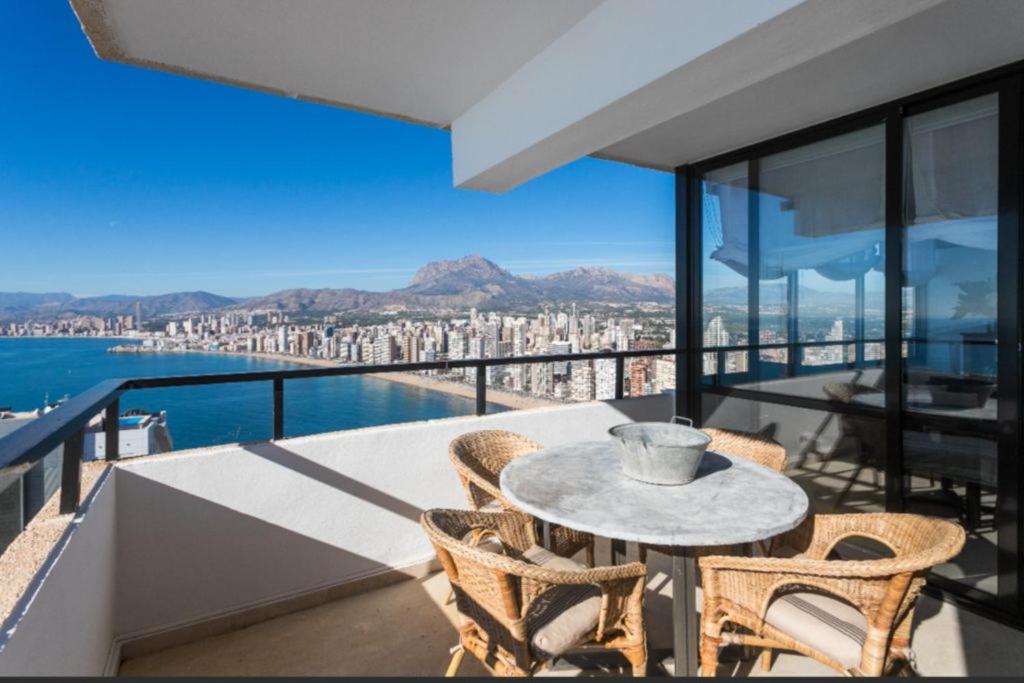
(795,357)
(794,362)
(66,425)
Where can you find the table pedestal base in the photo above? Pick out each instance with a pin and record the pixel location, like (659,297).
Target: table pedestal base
(685,625)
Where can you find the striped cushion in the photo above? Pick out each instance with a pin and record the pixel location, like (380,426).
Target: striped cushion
(489,542)
(493,505)
(827,624)
(564,615)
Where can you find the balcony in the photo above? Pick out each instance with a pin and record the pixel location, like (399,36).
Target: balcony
(305,556)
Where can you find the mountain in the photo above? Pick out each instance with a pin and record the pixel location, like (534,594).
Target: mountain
(775,293)
(21,305)
(602,284)
(468,281)
(296,300)
(439,285)
(14,303)
(476,281)
(160,304)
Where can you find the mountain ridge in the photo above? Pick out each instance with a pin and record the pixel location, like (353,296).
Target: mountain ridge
(476,281)
(25,304)
(445,284)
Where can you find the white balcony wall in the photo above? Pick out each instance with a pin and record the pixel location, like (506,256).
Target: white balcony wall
(64,624)
(210,536)
(218,531)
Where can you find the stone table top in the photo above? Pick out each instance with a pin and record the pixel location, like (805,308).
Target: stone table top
(581,486)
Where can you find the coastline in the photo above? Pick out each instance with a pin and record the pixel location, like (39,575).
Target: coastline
(495,396)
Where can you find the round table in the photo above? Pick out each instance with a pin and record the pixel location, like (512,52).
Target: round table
(732,501)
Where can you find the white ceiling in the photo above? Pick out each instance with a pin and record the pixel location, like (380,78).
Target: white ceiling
(950,41)
(431,61)
(426,60)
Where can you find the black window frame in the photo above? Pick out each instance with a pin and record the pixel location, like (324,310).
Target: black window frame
(1008,81)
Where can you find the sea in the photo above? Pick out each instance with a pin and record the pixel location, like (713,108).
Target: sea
(34,370)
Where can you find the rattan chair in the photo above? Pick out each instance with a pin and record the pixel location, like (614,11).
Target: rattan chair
(479,458)
(864,432)
(754,447)
(522,606)
(854,616)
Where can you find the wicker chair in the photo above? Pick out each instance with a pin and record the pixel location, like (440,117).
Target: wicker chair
(479,458)
(756,448)
(523,606)
(854,616)
(868,440)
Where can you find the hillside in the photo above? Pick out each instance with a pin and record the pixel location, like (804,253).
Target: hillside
(439,285)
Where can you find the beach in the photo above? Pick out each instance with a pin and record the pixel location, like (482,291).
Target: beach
(412,379)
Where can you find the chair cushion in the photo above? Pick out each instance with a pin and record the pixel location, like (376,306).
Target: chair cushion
(489,542)
(827,624)
(493,505)
(562,616)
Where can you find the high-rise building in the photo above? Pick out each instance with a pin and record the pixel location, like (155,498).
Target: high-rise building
(282,339)
(716,334)
(559,348)
(384,350)
(582,382)
(604,379)
(664,375)
(542,379)
(639,377)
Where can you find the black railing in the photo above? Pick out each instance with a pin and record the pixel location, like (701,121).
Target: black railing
(795,357)
(66,425)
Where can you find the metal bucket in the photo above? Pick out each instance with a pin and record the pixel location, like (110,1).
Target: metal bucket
(663,453)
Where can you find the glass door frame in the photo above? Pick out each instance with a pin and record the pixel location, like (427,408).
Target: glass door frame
(1008,82)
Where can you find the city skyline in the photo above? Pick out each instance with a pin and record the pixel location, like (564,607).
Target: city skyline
(118,179)
(472,334)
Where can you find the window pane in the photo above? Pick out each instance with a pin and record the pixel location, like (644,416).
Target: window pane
(954,476)
(813,250)
(725,214)
(950,259)
(949,324)
(837,459)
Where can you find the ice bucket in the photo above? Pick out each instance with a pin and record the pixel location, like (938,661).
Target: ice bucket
(663,453)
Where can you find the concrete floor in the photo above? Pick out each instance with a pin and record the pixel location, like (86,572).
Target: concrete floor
(406,630)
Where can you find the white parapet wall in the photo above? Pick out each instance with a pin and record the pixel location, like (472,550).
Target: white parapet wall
(64,623)
(199,537)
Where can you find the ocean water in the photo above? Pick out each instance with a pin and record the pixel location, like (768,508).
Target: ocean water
(33,368)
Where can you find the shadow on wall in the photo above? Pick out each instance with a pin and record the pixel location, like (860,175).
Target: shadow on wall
(656,408)
(325,475)
(190,559)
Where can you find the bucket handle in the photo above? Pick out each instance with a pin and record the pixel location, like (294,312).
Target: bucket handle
(676,419)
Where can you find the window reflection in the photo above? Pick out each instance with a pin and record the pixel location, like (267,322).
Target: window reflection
(951,160)
(808,249)
(953,475)
(794,305)
(949,324)
(838,460)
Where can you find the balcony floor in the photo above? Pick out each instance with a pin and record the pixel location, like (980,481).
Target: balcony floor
(405,629)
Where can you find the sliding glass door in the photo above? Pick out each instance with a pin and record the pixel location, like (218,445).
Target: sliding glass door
(799,303)
(950,294)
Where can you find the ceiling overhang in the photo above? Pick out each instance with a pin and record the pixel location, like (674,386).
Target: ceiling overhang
(530,85)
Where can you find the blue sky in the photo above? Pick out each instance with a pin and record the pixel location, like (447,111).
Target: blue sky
(119,179)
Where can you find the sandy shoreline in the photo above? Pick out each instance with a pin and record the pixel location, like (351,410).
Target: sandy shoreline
(495,396)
